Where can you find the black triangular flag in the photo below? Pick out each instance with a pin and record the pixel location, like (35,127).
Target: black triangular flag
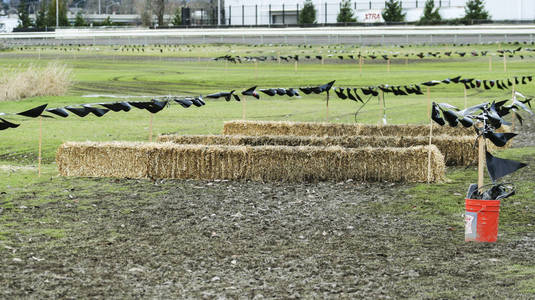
(499,167)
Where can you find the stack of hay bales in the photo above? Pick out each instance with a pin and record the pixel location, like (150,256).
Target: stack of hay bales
(457,151)
(332,129)
(263,163)
(456,143)
(283,151)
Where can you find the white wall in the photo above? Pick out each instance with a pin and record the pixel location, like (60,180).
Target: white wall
(511,9)
(9,23)
(498,9)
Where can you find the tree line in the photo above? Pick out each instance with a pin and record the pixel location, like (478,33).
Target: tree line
(393,12)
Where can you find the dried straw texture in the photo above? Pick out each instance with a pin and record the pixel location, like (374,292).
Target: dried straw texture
(53,80)
(265,163)
(114,159)
(457,150)
(332,129)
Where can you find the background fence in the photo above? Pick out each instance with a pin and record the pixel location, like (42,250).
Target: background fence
(326,12)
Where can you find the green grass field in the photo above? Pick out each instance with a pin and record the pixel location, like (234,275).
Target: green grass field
(105,71)
(141,76)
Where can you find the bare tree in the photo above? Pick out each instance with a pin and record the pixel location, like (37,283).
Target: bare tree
(158,7)
(143,8)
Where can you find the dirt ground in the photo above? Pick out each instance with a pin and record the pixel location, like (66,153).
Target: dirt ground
(108,238)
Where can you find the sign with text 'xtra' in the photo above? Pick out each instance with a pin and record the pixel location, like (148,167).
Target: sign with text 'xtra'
(373,16)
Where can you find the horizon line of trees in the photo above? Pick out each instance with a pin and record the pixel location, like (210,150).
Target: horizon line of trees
(392,13)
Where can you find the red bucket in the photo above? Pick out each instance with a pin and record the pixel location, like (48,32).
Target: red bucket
(481,220)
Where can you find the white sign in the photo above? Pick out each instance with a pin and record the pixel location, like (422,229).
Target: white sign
(372,16)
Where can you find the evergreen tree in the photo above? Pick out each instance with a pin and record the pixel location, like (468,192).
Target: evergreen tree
(24,16)
(308,13)
(475,10)
(79,21)
(393,11)
(346,13)
(431,15)
(107,22)
(40,17)
(62,16)
(177,17)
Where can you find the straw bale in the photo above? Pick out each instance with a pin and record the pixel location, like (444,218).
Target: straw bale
(274,163)
(266,163)
(335,129)
(457,150)
(395,164)
(198,162)
(114,159)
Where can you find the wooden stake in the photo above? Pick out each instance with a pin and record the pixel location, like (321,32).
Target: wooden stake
(243,108)
(430,135)
(382,99)
(481,163)
(465,97)
(513,96)
(150,128)
(295,66)
(327,109)
(490,63)
(39,156)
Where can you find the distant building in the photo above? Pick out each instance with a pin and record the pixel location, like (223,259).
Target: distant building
(8,23)
(279,12)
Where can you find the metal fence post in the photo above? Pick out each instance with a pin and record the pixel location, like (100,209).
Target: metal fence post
(269,22)
(325,12)
(256,14)
(202,13)
(370,5)
(416,3)
(283,15)
(297,13)
(242,15)
(230,15)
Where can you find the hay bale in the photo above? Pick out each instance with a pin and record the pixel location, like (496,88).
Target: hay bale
(198,162)
(114,159)
(334,129)
(280,163)
(457,150)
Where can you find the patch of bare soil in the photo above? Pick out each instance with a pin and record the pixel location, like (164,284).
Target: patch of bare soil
(526,133)
(196,239)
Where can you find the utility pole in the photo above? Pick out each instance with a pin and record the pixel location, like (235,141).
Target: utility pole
(218,12)
(57,13)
